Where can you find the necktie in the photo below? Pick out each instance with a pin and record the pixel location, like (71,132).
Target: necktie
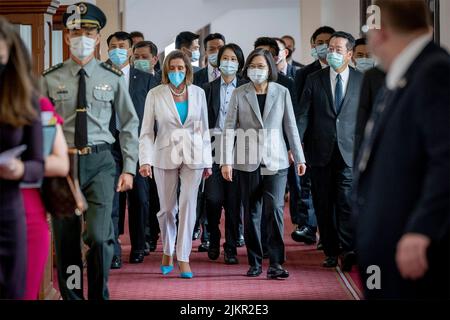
(81,134)
(338,94)
(216,73)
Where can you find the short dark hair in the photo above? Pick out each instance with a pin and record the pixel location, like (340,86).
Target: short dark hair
(184,39)
(237,51)
(322,30)
(281,40)
(360,42)
(213,36)
(273,71)
(290,38)
(137,34)
(270,42)
(147,44)
(350,40)
(120,35)
(405,15)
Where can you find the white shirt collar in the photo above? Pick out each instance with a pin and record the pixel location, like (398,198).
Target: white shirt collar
(126,74)
(233,83)
(344,74)
(404,60)
(323,65)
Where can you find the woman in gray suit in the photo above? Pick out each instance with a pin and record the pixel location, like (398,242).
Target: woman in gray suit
(259,116)
(175,141)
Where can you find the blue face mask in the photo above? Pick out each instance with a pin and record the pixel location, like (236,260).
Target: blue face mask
(118,56)
(314,53)
(195,56)
(335,60)
(212,59)
(176,78)
(229,68)
(143,65)
(322,51)
(364,64)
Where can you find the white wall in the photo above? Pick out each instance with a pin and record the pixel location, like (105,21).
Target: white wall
(342,15)
(445,23)
(162,20)
(249,24)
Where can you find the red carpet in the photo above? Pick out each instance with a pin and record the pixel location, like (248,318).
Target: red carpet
(213,280)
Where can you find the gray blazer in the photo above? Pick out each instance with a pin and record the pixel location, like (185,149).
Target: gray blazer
(251,139)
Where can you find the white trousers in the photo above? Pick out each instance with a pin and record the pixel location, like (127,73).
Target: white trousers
(167,185)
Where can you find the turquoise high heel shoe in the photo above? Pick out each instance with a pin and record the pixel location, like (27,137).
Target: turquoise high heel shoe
(186,275)
(166,269)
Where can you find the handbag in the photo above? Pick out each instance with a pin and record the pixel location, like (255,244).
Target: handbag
(62,196)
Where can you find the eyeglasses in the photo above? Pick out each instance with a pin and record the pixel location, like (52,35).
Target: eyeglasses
(258,66)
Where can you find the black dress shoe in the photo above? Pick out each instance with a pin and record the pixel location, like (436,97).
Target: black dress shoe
(320,245)
(240,243)
(153,244)
(277,272)
(213,252)
(137,257)
(330,262)
(304,234)
(196,234)
(116,262)
(348,260)
(204,247)
(230,258)
(254,272)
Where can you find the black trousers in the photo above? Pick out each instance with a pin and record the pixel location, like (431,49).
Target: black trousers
(263,198)
(219,194)
(13,242)
(331,189)
(151,220)
(300,200)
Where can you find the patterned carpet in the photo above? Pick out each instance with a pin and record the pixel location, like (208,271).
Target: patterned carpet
(216,281)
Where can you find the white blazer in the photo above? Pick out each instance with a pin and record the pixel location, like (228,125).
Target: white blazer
(174,143)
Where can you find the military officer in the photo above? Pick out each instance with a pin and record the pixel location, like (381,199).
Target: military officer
(86,92)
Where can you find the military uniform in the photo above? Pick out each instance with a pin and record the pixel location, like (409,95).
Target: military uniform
(104,92)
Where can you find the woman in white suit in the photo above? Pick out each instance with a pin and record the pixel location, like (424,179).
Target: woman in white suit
(175,141)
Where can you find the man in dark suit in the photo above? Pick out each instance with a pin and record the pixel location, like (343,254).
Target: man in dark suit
(303,215)
(328,111)
(145,58)
(213,42)
(402,188)
(139,83)
(290,46)
(187,42)
(373,81)
(282,65)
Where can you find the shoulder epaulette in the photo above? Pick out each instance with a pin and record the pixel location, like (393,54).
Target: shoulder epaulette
(51,69)
(112,68)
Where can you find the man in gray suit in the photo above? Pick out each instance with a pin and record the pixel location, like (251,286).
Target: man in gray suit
(328,111)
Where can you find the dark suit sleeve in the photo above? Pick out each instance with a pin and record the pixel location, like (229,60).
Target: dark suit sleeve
(304,108)
(299,84)
(431,214)
(364,111)
(33,158)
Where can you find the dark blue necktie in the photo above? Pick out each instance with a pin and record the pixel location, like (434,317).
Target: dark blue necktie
(338,94)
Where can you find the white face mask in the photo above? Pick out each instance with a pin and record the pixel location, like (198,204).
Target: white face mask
(258,76)
(82,47)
